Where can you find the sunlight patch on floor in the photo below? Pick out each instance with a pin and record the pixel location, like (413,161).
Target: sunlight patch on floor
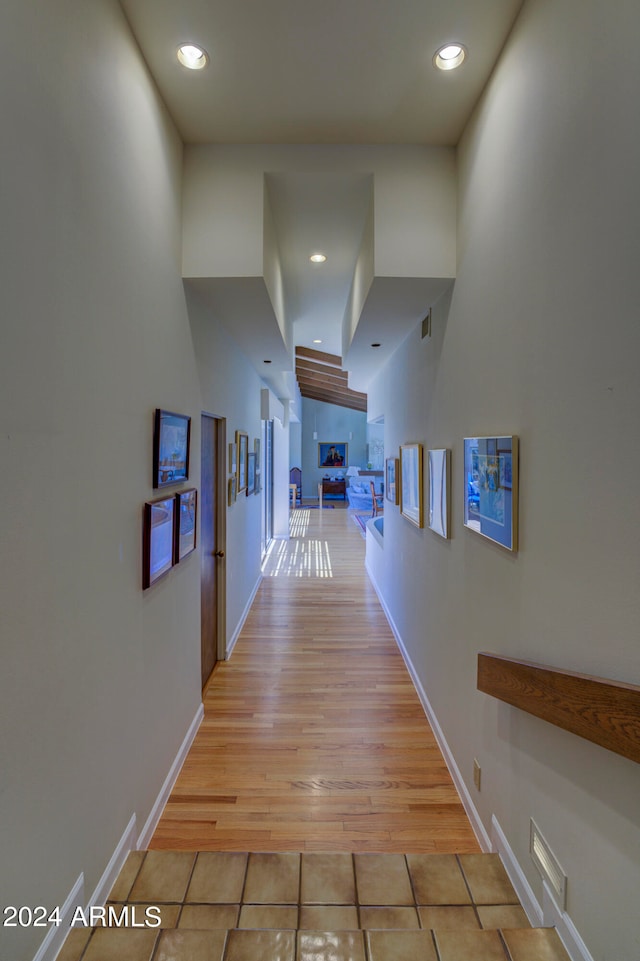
(299,523)
(310,558)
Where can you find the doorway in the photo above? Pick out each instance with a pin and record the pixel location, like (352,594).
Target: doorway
(267,486)
(213,536)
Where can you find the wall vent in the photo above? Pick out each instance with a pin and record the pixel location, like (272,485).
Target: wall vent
(547,865)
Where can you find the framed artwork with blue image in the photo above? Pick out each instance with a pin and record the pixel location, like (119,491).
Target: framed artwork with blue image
(491,488)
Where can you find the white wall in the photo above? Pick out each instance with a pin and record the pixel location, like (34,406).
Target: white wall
(99,681)
(331,423)
(542,340)
(414,204)
(230,388)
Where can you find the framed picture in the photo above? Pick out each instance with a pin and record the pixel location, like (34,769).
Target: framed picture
(232,458)
(392,492)
(439,491)
(491,488)
(231,490)
(157,544)
(251,472)
(242,444)
(171,436)
(332,455)
(411,500)
(186,516)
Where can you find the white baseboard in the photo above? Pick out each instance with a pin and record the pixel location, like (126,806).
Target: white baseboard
(126,843)
(549,915)
(479,829)
(245,614)
(54,940)
(569,934)
(157,809)
(529,902)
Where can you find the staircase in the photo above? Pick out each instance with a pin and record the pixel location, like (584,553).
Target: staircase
(316,906)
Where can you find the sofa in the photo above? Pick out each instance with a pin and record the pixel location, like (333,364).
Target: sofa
(359,494)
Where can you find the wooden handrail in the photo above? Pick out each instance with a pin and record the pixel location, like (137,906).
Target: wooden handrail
(600,710)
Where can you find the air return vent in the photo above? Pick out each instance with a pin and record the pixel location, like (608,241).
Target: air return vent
(548,866)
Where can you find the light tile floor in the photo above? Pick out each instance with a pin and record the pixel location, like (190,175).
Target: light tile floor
(218,906)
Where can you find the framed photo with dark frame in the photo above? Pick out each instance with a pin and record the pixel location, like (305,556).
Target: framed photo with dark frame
(333,454)
(171,441)
(391,489)
(158,540)
(186,516)
(411,497)
(242,445)
(491,488)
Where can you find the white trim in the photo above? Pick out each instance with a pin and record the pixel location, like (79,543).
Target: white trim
(517,876)
(50,947)
(245,614)
(476,823)
(126,843)
(549,915)
(171,778)
(567,931)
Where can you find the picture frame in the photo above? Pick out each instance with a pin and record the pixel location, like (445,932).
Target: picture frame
(242,443)
(333,454)
(232,458)
(491,466)
(157,539)
(171,448)
(231,490)
(257,449)
(251,472)
(439,465)
(391,486)
(186,512)
(411,493)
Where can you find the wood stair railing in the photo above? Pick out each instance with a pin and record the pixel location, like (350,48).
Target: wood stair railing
(603,711)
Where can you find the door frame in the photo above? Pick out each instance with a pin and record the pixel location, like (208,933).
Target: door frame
(220,527)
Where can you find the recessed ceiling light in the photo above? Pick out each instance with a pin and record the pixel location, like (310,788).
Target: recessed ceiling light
(192,57)
(449,56)
(317,341)
(317,258)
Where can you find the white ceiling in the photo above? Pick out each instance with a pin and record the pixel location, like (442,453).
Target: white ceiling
(340,71)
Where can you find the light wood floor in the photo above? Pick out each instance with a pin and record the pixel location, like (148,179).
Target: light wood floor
(313,737)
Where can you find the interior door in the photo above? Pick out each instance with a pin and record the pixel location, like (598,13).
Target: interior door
(212,538)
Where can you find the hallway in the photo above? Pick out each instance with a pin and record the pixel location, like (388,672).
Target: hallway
(315,756)
(314,738)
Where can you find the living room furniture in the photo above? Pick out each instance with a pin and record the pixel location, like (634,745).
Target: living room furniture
(335,487)
(377,501)
(295,485)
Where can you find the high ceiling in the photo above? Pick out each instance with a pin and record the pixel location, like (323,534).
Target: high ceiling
(340,71)
(337,72)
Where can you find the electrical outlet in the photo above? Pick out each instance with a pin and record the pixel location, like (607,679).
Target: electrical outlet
(477,773)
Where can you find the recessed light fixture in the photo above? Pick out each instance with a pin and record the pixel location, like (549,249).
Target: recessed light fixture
(317,341)
(192,57)
(449,56)
(318,258)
